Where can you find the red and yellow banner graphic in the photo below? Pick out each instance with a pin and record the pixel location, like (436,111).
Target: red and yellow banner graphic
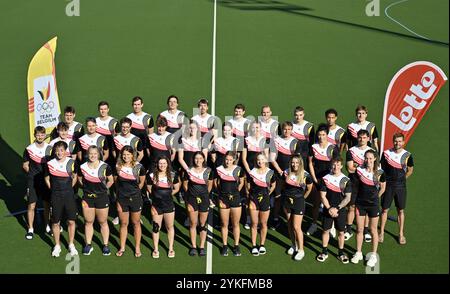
(43,100)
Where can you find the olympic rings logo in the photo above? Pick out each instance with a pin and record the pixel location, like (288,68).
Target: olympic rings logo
(45,107)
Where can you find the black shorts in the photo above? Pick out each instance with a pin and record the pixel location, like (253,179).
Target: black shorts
(37,189)
(229,201)
(261,202)
(163,205)
(98,201)
(371,211)
(396,193)
(339,221)
(294,204)
(199,202)
(63,202)
(130,204)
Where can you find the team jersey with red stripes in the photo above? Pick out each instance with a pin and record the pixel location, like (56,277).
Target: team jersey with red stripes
(162,188)
(160,145)
(205,123)
(353,128)
(223,145)
(190,146)
(140,126)
(85,141)
(395,165)
(368,186)
(128,180)
(304,133)
(71,145)
(198,181)
(37,157)
(254,147)
(61,173)
(94,179)
(132,140)
(285,148)
(336,136)
(335,187)
(260,182)
(229,179)
(106,127)
(356,155)
(240,127)
(174,120)
(292,187)
(322,157)
(269,128)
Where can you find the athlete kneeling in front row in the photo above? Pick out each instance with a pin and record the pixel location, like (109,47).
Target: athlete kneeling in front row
(297,185)
(95,177)
(61,177)
(261,183)
(335,193)
(229,182)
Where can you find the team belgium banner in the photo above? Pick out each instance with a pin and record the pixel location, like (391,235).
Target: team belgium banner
(43,101)
(408,97)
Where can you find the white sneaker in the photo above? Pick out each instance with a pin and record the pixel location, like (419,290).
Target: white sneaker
(299,255)
(333,232)
(367,238)
(255,251)
(371,259)
(347,236)
(72,250)
(211,204)
(56,251)
(247,226)
(48,229)
(291,250)
(262,250)
(357,257)
(312,229)
(61,229)
(115,221)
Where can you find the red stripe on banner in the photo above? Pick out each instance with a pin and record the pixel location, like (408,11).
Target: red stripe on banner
(408,97)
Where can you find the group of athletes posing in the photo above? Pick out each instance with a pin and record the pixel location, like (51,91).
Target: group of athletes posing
(252,164)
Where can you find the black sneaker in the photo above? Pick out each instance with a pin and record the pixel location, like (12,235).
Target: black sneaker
(87,250)
(106,251)
(29,235)
(275,224)
(192,251)
(236,250)
(202,252)
(224,251)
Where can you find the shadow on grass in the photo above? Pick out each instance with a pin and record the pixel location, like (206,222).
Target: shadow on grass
(273,5)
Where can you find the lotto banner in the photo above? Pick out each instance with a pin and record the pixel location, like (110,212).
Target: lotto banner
(43,101)
(408,97)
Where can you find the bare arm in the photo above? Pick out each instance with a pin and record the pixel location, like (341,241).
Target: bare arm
(141,182)
(185,185)
(382,188)
(311,169)
(47,181)
(181,159)
(210,185)
(273,157)
(409,171)
(109,181)
(308,190)
(26,166)
(244,160)
(140,155)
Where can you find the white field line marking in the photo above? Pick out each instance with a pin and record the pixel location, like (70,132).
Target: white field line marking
(209,235)
(399,23)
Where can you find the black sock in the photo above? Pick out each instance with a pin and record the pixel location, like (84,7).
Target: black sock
(366,230)
(348,228)
(324,250)
(341,252)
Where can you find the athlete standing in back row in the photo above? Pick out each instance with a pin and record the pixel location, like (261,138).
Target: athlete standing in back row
(362,123)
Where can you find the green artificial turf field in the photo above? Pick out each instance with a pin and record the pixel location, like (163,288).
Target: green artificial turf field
(314,53)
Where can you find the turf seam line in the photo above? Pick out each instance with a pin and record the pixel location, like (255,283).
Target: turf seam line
(399,23)
(213,112)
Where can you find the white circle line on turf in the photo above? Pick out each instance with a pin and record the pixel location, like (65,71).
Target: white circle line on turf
(209,235)
(399,23)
